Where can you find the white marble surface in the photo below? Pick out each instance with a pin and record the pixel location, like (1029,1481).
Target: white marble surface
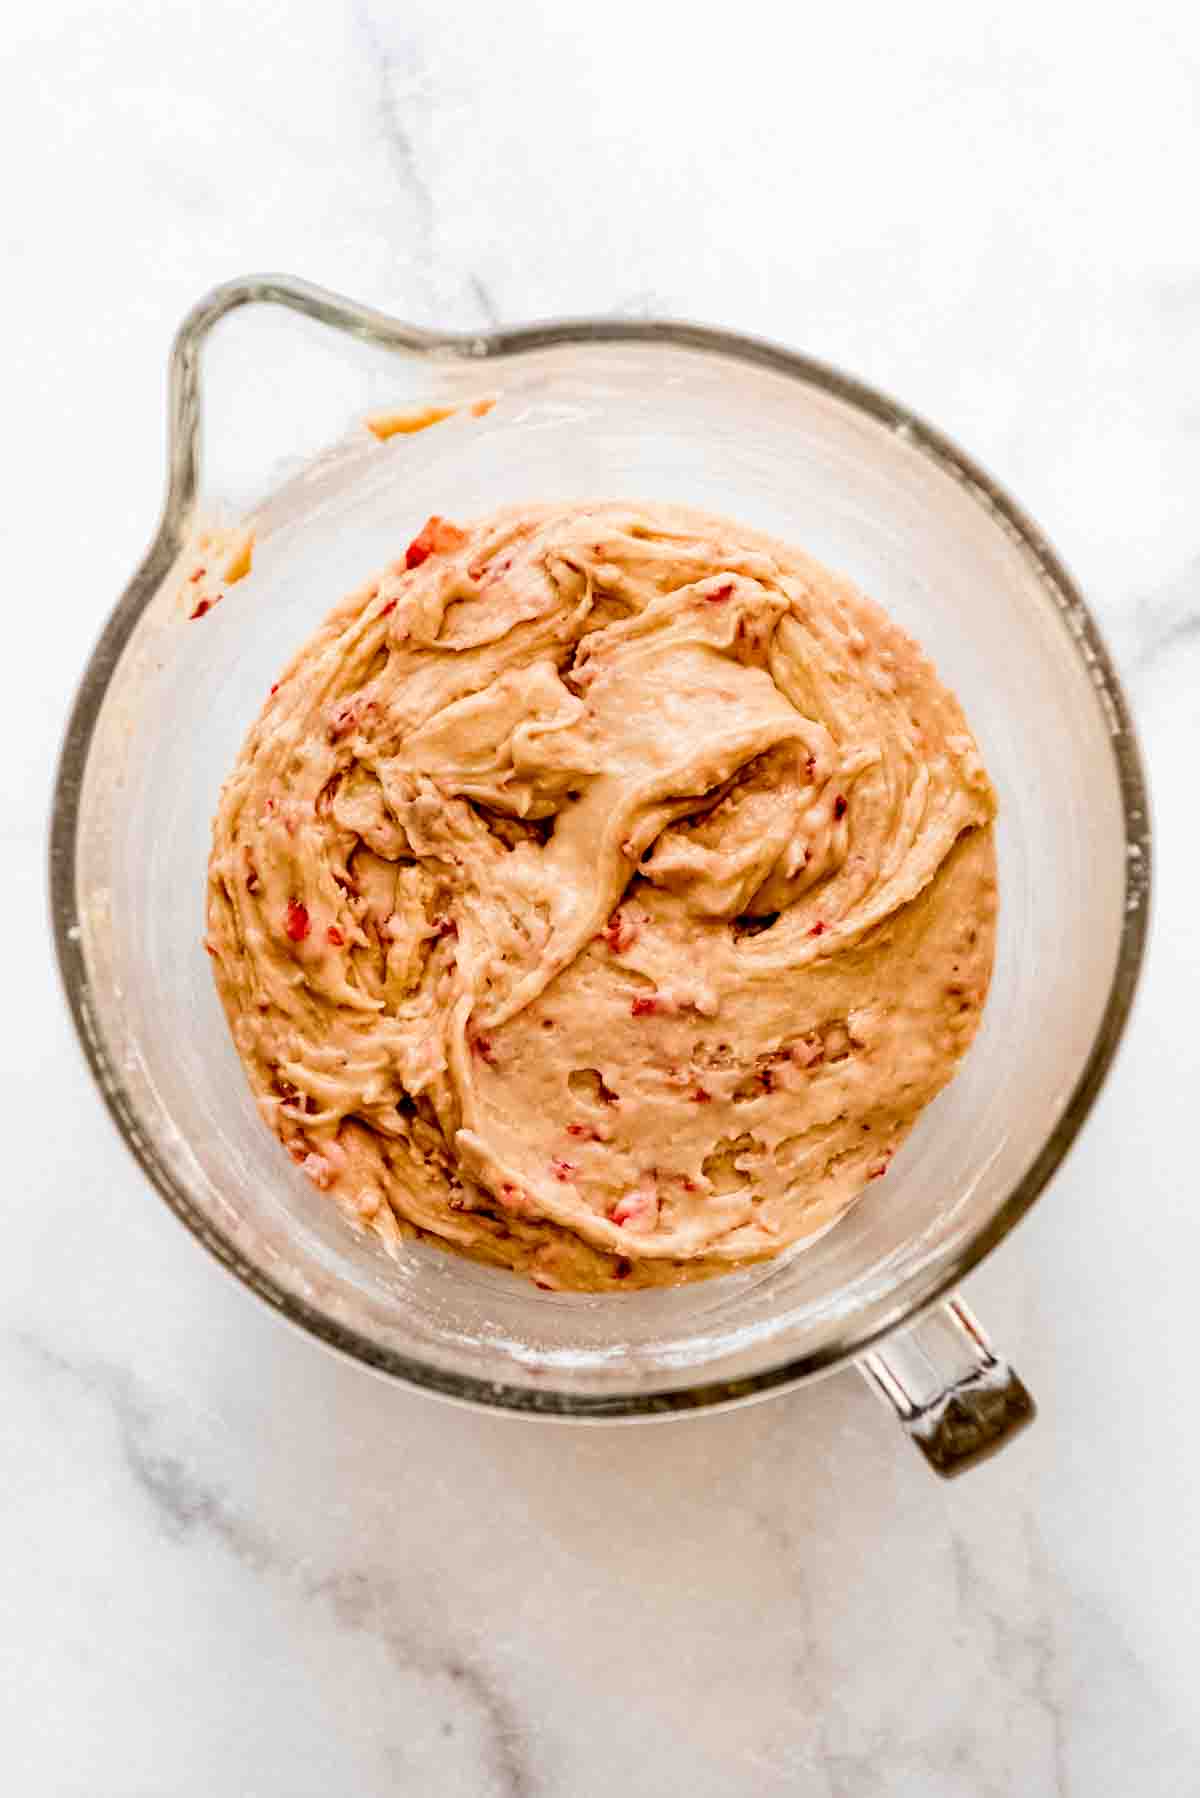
(236,1564)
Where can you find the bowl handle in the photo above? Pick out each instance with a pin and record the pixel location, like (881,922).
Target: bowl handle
(956,1398)
(318,303)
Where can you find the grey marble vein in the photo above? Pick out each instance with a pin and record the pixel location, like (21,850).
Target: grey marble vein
(1045,1670)
(1167,619)
(485,298)
(404,107)
(1023,1646)
(388,67)
(505,1733)
(361,1600)
(182,1503)
(373,1604)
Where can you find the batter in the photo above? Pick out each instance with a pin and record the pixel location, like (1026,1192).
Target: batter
(602,892)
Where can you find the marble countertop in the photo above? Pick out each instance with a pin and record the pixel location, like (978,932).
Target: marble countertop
(237,1564)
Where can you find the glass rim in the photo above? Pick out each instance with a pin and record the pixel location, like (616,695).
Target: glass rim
(926,1286)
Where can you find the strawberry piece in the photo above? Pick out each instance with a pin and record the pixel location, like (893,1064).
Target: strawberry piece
(297,923)
(620,932)
(437,537)
(639,1207)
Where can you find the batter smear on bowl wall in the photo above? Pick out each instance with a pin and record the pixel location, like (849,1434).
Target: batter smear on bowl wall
(602,892)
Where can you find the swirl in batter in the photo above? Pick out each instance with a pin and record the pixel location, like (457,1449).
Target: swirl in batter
(602,892)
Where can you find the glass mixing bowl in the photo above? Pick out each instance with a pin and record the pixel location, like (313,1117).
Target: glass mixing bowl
(593,408)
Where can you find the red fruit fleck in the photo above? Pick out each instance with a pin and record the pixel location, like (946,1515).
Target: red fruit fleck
(700,1097)
(198,575)
(639,1207)
(563,1169)
(688,1185)
(818,929)
(297,922)
(274,689)
(201,607)
(877,1173)
(437,536)
(209,947)
(719,594)
(390,607)
(839,806)
(333,935)
(642,1007)
(619,932)
(583,1131)
(482,1046)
